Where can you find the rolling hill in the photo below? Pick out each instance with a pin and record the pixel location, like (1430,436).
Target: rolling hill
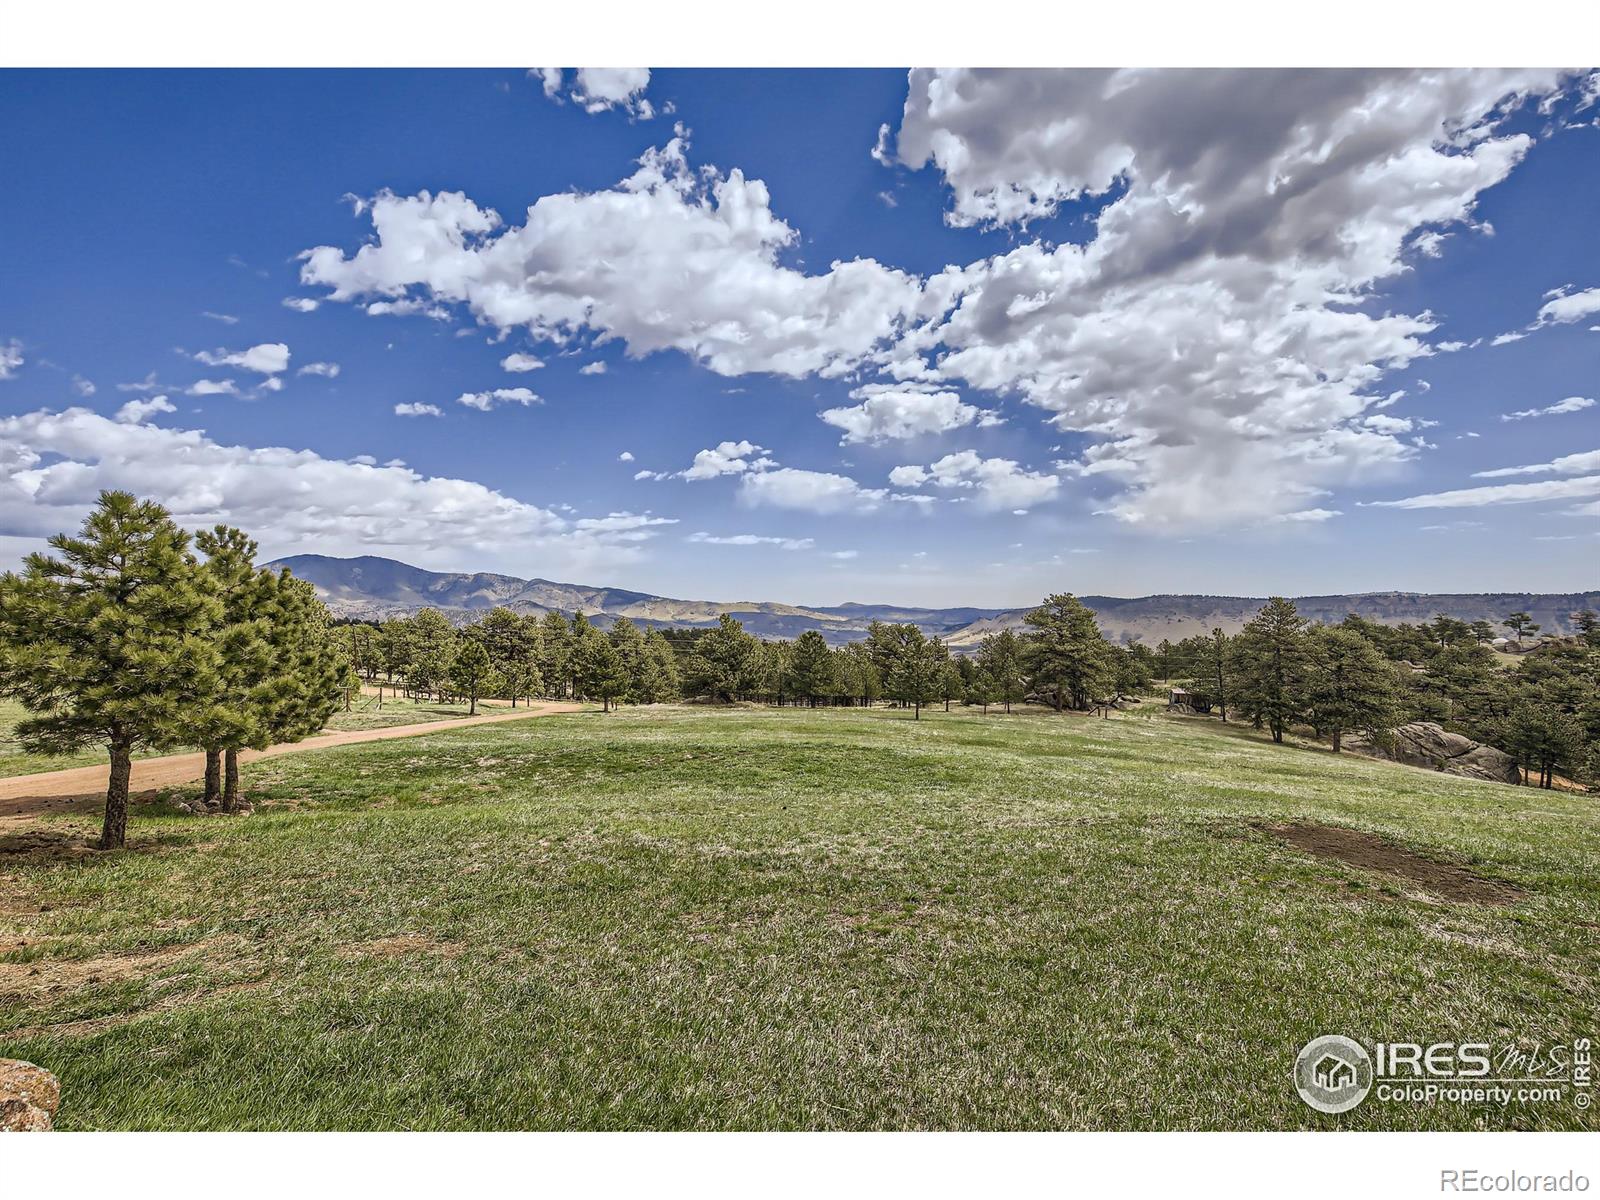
(370,588)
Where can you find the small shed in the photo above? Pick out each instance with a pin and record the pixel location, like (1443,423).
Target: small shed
(1179,700)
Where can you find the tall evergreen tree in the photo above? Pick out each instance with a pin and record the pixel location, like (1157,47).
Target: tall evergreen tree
(720,664)
(629,645)
(471,672)
(1000,656)
(1065,653)
(1270,664)
(108,642)
(555,665)
(915,667)
(1349,685)
(660,681)
(811,667)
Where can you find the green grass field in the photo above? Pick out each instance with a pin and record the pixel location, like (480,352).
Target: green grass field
(682,918)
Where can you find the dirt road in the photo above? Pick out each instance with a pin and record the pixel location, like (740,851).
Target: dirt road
(23,796)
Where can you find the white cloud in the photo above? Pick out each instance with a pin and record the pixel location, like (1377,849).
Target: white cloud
(418,410)
(807,491)
(599,89)
(135,412)
(844,555)
(10,358)
(268,358)
(668,259)
(520,363)
(302,304)
(1505,493)
(484,401)
(1209,329)
(224,318)
(1567,464)
(625,456)
(1566,307)
(213,387)
(594,368)
(752,539)
(999,483)
(896,411)
(82,386)
(328,370)
(725,458)
(292,500)
(1571,404)
(1307,516)
(1502,339)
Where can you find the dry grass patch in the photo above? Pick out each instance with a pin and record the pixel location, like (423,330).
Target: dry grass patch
(1373,853)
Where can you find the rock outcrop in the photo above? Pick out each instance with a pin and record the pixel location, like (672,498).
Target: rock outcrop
(1426,744)
(29,1097)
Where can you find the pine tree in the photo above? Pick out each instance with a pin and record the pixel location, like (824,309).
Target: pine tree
(720,664)
(471,672)
(1349,686)
(982,689)
(1270,664)
(916,665)
(1065,654)
(234,716)
(433,649)
(108,642)
(555,665)
(598,669)
(660,684)
(1000,656)
(811,667)
(629,645)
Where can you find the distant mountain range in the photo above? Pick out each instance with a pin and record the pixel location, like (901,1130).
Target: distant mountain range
(370,588)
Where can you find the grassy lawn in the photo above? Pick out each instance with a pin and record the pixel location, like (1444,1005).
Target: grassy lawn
(14,762)
(365,713)
(703,919)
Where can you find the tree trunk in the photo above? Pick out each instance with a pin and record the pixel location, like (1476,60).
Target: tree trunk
(473,710)
(230,781)
(917,713)
(114,832)
(1338,738)
(213,796)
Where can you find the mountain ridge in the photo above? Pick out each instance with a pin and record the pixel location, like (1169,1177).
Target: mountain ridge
(373,588)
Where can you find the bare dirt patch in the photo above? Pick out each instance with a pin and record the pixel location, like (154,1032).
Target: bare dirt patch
(90,1025)
(44,976)
(1448,881)
(402,946)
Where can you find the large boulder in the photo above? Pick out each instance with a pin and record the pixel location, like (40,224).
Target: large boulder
(29,1097)
(1426,744)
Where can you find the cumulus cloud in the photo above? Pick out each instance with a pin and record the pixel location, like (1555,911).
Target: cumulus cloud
(57,463)
(328,370)
(135,412)
(10,358)
(752,539)
(1565,307)
(213,387)
(670,258)
(594,368)
(625,456)
(997,483)
(302,304)
(1209,330)
(224,318)
(418,410)
(891,412)
(269,358)
(520,363)
(807,491)
(484,401)
(600,89)
(1560,408)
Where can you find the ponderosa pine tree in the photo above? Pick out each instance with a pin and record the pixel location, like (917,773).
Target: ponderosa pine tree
(659,684)
(471,672)
(1065,655)
(719,666)
(811,668)
(982,689)
(1349,685)
(599,669)
(628,642)
(916,664)
(1270,659)
(1000,656)
(555,663)
(107,642)
(234,717)
(433,649)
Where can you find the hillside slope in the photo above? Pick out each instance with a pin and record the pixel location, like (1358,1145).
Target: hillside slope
(371,588)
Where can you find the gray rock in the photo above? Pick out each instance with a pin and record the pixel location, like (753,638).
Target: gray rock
(1427,744)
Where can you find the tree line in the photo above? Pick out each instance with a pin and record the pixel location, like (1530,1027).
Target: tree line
(134,635)
(1282,671)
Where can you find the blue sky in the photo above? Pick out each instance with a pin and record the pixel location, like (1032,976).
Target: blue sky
(937,338)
